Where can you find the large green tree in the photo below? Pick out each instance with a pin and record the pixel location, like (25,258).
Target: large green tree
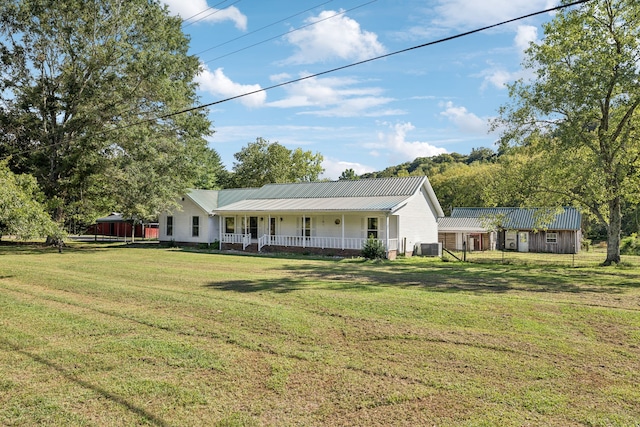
(21,212)
(348,175)
(82,84)
(578,117)
(463,185)
(263,162)
(211,173)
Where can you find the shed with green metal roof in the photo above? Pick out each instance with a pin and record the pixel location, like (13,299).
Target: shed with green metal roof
(542,229)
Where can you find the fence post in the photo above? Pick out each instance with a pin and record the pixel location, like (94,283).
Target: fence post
(464,250)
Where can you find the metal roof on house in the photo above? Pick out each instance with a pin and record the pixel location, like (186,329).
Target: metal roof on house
(209,200)
(328,204)
(376,187)
(515,218)
(206,199)
(232,195)
(377,194)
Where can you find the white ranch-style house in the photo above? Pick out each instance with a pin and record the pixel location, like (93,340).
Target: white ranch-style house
(333,217)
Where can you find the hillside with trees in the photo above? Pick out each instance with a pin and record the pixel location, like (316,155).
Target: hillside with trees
(509,177)
(458,179)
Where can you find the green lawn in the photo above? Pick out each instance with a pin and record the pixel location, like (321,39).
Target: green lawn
(105,334)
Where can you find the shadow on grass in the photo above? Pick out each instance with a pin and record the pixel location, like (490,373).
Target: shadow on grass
(244,286)
(72,246)
(14,248)
(365,276)
(151,418)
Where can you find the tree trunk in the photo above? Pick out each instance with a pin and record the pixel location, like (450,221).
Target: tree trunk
(613,232)
(58,216)
(54,241)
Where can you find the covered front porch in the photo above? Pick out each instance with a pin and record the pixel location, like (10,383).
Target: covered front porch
(329,233)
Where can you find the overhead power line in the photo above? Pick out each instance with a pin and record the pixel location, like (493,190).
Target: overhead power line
(199,107)
(446,39)
(260,29)
(290,31)
(212,13)
(202,11)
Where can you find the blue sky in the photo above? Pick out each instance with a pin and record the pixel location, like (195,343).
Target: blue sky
(420,103)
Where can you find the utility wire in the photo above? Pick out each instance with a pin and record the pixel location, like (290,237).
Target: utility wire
(199,107)
(212,13)
(457,36)
(203,11)
(262,28)
(289,32)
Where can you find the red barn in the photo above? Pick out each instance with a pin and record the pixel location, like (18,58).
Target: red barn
(114,225)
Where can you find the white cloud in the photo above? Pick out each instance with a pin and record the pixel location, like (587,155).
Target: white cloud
(279,78)
(402,150)
(197,11)
(526,34)
(498,76)
(337,37)
(464,120)
(218,84)
(467,14)
(333,168)
(336,97)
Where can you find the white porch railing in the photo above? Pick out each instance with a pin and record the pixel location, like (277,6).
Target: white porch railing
(320,242)
(244,239)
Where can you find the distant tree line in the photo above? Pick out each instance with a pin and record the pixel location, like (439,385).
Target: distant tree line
(509,176)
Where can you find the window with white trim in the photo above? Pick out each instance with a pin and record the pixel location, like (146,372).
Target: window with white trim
(229,224)
(552,237)
(195,226)
(169,226)
(372,228)
(306,227)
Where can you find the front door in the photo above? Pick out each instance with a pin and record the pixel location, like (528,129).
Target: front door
(272,227)
(523,241)
(253,227)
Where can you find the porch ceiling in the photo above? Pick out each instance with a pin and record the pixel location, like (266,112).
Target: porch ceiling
(330,204)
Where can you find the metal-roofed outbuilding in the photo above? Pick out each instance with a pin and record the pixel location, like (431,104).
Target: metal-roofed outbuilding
(551,230)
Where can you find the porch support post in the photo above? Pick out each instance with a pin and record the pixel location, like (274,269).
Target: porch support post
(304,232)
(220,231)
(268,233)
(386,235)
(342,223)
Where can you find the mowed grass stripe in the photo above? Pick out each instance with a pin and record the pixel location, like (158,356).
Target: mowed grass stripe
(283,341)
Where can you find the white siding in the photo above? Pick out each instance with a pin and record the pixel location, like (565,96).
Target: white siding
(418,221)
(325,225)
(182,221)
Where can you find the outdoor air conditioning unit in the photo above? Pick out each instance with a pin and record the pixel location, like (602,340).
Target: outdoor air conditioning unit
(429,249)
(511,240)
